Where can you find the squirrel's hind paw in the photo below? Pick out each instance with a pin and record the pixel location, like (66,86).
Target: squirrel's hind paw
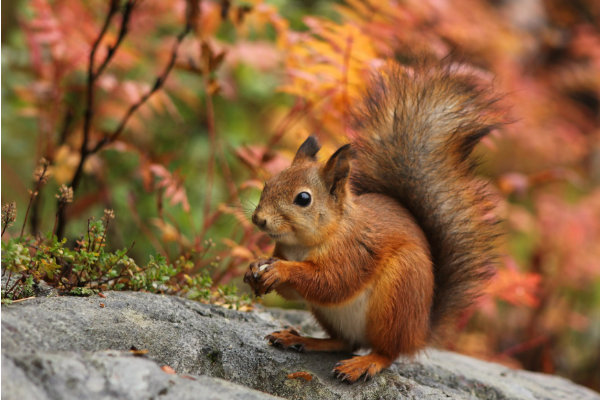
(351,370)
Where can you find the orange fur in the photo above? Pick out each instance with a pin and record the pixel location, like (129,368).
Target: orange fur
(393,240)
(290,338)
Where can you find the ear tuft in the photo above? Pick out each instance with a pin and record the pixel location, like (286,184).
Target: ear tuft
(308,150)
(337,171)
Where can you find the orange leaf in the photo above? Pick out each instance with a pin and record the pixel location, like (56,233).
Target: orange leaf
(168,370)
(303,375)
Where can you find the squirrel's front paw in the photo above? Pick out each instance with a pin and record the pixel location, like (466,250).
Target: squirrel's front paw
(262,275)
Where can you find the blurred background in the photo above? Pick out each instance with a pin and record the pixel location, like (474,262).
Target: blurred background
(235,94)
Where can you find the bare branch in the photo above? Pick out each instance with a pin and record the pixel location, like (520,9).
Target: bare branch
(92,77)
(158,84)
(129,6)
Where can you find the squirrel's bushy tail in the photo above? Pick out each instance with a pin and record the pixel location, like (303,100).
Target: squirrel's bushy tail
(416,129)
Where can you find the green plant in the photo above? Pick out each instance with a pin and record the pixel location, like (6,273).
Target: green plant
(87,268)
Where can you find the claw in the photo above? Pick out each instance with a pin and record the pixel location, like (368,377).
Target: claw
(271,285)
(263,267)
(298,347)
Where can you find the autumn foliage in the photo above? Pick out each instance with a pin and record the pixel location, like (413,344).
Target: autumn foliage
(174,112)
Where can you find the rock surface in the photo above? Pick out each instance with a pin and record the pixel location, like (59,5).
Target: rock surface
(69,347)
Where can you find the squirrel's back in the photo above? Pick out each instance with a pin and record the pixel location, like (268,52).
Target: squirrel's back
(416,129)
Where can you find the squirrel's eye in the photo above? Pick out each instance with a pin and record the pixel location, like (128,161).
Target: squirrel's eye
(303,199)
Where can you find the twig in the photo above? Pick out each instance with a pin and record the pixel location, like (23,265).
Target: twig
(6,292)
(16,282)
(158,84)
(27,214)
(210,121)
(100,247)
(34,220)
(33,194)
(531,343)
(89,235)
(120,258)
(227,173)
(298,111)
(290,116)
(26,298)
(60,206)
(66,125)
(129,6)
(91,80)
(111,137)
(103,235)
(99,281)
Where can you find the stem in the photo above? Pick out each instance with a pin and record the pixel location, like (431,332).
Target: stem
(100,282)
(103,235)
(33,194)
(210,115)
(34,221)
(522,347)
(7,282)
(60,205)
(13,286)
(89,236)
(26,215)
(120,258)
(64,133)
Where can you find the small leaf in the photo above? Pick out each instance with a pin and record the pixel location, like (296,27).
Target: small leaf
(168,370)
(303,375)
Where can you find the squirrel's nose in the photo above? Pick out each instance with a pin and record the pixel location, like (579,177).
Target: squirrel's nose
(258,221)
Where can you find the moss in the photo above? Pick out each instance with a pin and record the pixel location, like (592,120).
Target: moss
(83,292)
(213,356)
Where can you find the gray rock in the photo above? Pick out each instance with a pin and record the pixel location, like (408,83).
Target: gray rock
(56,348)
(107,375)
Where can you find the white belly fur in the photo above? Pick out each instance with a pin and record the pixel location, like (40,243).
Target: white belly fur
(350,319)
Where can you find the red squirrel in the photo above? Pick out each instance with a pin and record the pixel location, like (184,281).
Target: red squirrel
(391,238)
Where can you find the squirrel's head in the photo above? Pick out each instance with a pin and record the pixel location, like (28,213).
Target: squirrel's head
(303,203)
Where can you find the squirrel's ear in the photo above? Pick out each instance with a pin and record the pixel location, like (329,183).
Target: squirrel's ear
(308,150)
(337,170)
